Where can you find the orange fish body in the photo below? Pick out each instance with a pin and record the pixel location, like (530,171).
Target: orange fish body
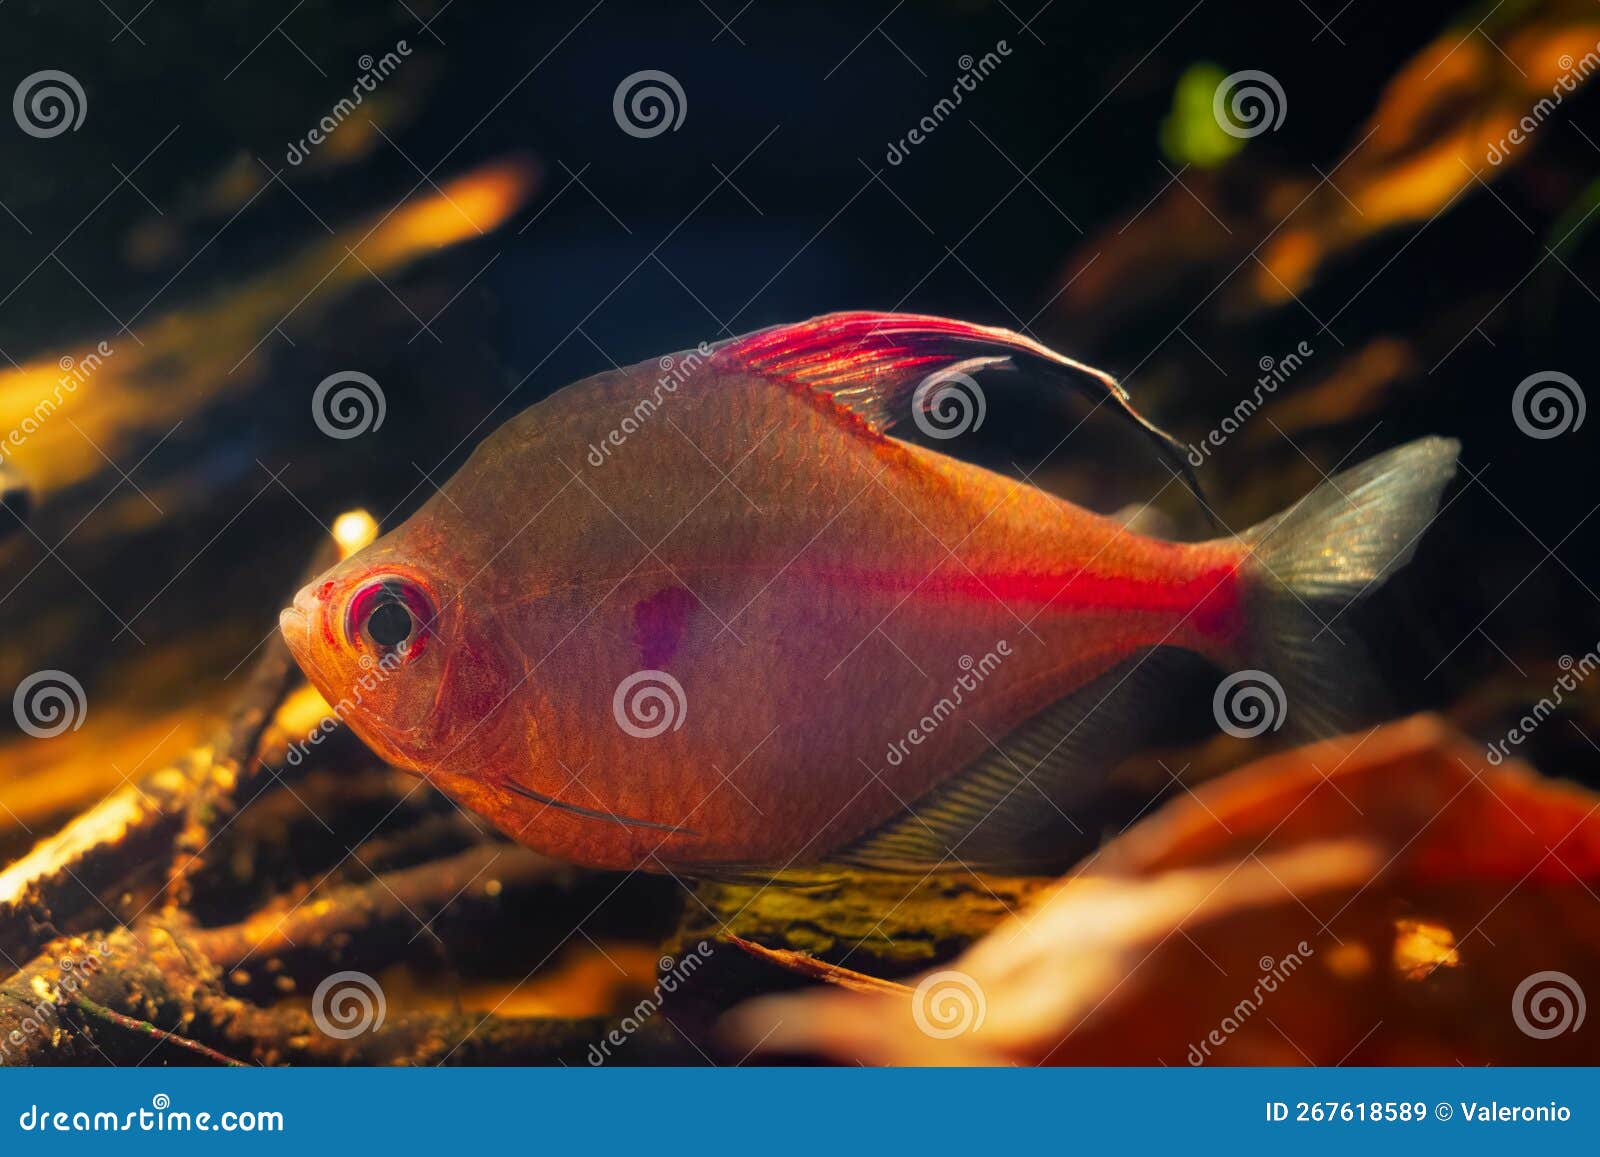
(712,614)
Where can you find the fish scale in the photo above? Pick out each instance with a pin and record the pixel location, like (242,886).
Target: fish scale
(697,633)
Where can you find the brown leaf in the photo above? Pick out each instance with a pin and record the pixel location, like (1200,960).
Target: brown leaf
(1382,898)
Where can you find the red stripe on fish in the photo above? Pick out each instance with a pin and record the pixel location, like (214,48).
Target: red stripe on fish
(1209,601)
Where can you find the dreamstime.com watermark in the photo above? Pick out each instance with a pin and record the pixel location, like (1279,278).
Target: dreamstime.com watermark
(673,975)
(373,72)
(1273,973)
(976,671)
(49,703)
(649,703)
(348,1004)
(160,1117)
(649,103)
(373,674)
(1274,372)
(948,403)
(49,103)
(972,73)
(675,370)
(74,373)
(1249,103)
(1573,74)
(1577,670)
(1249,703)
(1547,1004)
(948,1003)
(1548,404)
(347,404)
(45,1016)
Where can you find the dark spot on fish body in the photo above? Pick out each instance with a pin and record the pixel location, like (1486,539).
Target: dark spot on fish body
(659,623)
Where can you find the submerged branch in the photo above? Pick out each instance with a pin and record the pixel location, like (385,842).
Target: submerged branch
(164,983)
(395,901)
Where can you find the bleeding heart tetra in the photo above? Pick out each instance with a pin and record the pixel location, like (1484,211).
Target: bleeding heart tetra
(712,616)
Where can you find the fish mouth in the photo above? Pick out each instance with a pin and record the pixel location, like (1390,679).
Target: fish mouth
(295,628)
(294,623)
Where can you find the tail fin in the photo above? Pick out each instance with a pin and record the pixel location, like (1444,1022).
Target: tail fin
(1312,561)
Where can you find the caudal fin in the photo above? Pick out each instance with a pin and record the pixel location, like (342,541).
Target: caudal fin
(1307,565)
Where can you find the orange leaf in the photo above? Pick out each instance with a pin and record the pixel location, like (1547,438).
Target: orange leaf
(1383,898)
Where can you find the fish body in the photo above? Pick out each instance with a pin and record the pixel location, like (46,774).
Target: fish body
(715,614)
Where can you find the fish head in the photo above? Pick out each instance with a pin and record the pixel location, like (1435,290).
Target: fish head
(384,636)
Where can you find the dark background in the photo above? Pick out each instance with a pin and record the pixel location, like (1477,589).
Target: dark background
(771,203)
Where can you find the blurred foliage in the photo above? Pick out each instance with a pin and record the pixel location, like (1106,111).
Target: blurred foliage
(1191,134)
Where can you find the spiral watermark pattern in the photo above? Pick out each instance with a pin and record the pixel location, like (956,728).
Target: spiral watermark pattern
(1575,73)
(672,975)
(1249,703)
(649,703)
(374,71)
(1548,1004)
(974,672)
(948,404)
(48,703)
(649,103)
(1548,404)
(1574,673)
(1275,973)
(347,1004)
(948,1003)
(348,404)
(1249,103)
(43,1018)
(973,73)
(49,103)
(1274,372)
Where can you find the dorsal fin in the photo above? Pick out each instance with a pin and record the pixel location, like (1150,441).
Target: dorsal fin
(872,363)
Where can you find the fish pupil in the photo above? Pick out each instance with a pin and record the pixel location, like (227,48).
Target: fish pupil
(389,625)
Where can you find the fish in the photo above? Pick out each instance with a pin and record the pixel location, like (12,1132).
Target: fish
(715,612)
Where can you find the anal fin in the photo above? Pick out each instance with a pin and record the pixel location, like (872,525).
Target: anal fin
(1038,800)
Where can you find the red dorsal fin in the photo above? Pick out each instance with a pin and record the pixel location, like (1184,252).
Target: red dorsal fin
(872,363)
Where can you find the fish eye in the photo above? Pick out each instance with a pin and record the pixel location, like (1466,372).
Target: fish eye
(389,624)
(391,614)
